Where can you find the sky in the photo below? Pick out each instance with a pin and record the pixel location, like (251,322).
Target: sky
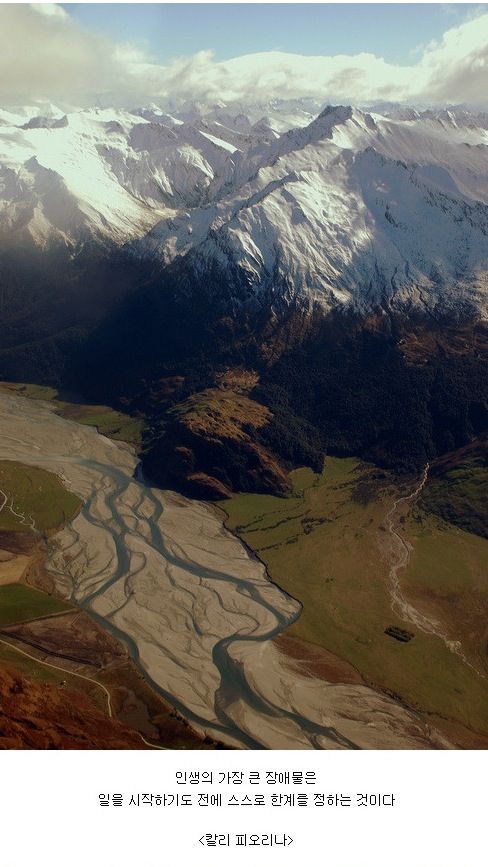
(169,31)
(138,54)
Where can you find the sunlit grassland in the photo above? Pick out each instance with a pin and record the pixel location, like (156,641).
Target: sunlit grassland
(327,545)
(19,603)
(33,494)
(448,577)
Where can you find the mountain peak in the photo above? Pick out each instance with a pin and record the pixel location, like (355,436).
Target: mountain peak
(348,207)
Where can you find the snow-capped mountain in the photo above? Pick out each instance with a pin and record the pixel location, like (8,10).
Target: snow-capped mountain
(351,208)
(107,174)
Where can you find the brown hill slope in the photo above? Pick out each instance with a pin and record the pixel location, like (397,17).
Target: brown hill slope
(43,716)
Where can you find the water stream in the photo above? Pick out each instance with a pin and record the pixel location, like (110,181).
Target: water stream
(194,607)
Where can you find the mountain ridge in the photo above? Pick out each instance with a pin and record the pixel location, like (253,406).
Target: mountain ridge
(346,211)
(344,262)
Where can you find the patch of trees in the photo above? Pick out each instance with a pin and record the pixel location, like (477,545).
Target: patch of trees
(361,397)
(115,330)
(296,440)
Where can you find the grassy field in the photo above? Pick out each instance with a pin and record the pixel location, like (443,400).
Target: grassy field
(448,577)
(328,546)
(19,602)
(108,421)
(34,493)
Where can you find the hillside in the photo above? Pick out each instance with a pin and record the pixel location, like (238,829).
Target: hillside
(43,716)
(458,488)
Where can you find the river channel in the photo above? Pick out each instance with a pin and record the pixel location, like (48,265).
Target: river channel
(196,610)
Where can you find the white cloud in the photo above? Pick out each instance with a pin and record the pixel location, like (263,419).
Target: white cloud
(46,55)
(456,68)
(49,9)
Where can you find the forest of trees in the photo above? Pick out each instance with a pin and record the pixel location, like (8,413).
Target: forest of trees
(114,331)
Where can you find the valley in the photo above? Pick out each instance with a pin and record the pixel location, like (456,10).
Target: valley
(161,576)
(331,545)
(206,304)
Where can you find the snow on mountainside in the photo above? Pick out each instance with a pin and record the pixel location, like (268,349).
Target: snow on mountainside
(106,173)
(354,209)
(351,208)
